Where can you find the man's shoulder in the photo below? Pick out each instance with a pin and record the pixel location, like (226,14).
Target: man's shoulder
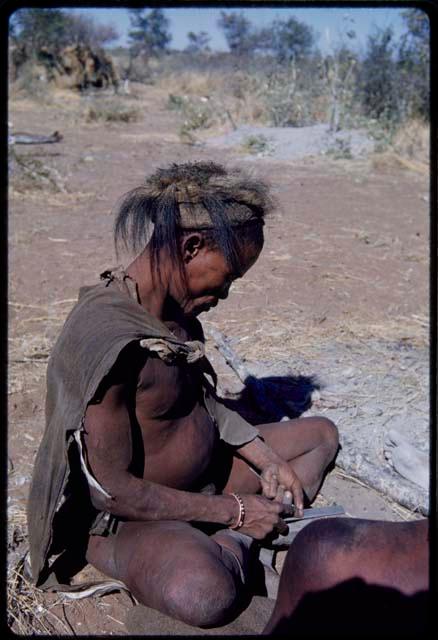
(104,319)
(109,306)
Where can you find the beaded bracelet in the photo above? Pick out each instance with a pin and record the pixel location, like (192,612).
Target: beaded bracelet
(241,518)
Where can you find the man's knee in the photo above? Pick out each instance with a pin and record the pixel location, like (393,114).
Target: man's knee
(322,546)
(203,598)
(329,435)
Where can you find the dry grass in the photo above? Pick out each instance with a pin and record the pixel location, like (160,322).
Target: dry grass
(278,334)
(32,83)
(112,110)
(30,173)
(409,149)
(412,141)
(29,610)
(193,83)
(29,348)
(390,160)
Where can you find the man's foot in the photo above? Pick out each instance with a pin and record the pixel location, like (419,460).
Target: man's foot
(409,462)
(283,542)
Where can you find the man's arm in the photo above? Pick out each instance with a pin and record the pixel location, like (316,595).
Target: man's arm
(108,444)
(107,439)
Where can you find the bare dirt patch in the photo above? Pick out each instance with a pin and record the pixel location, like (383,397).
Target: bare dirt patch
(344,274)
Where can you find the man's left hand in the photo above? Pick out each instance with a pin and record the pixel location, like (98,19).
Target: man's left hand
(276,479)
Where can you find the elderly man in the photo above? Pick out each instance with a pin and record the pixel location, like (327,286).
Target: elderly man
(140,463)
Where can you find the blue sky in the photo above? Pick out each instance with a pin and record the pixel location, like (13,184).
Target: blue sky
(328,22)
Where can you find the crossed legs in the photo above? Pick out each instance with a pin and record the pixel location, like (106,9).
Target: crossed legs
(186,574)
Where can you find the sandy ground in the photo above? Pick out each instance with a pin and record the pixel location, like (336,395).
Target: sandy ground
(344,268)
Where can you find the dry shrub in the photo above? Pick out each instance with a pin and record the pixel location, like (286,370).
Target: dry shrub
(32,82)
(112,110)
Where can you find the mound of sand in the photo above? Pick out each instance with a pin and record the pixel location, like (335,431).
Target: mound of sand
(288,143)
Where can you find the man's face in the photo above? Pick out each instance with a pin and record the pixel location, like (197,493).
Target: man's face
(209,276)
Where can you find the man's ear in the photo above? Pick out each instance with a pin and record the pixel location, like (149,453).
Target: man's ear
(191,245)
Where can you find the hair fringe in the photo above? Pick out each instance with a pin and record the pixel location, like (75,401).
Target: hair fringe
(149,214)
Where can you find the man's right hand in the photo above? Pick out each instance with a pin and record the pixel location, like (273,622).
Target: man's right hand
(262,517)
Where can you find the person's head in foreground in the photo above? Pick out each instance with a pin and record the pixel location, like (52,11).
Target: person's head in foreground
(198,227)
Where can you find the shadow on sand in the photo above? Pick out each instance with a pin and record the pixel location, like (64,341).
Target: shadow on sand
(271,398)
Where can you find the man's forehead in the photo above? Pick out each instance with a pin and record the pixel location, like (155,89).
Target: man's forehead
(248,254)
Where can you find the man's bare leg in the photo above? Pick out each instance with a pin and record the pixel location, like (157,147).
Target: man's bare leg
(346,565)
(308,444)
(175,568)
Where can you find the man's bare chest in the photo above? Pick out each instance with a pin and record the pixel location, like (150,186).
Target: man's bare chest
(168,391)
(178,434)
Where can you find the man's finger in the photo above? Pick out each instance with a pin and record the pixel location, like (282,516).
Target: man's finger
(266,489)
(280,493)
(298,502)
(273,485)
(269,482)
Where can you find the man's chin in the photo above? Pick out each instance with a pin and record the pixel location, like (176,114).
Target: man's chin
(192,313)
(196,311)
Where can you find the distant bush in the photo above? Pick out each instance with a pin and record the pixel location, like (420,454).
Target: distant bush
(285,105)
(198,42)
(175,103)
(197,112)
(413,65)
(377,79)
(340,149)
(258,145)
